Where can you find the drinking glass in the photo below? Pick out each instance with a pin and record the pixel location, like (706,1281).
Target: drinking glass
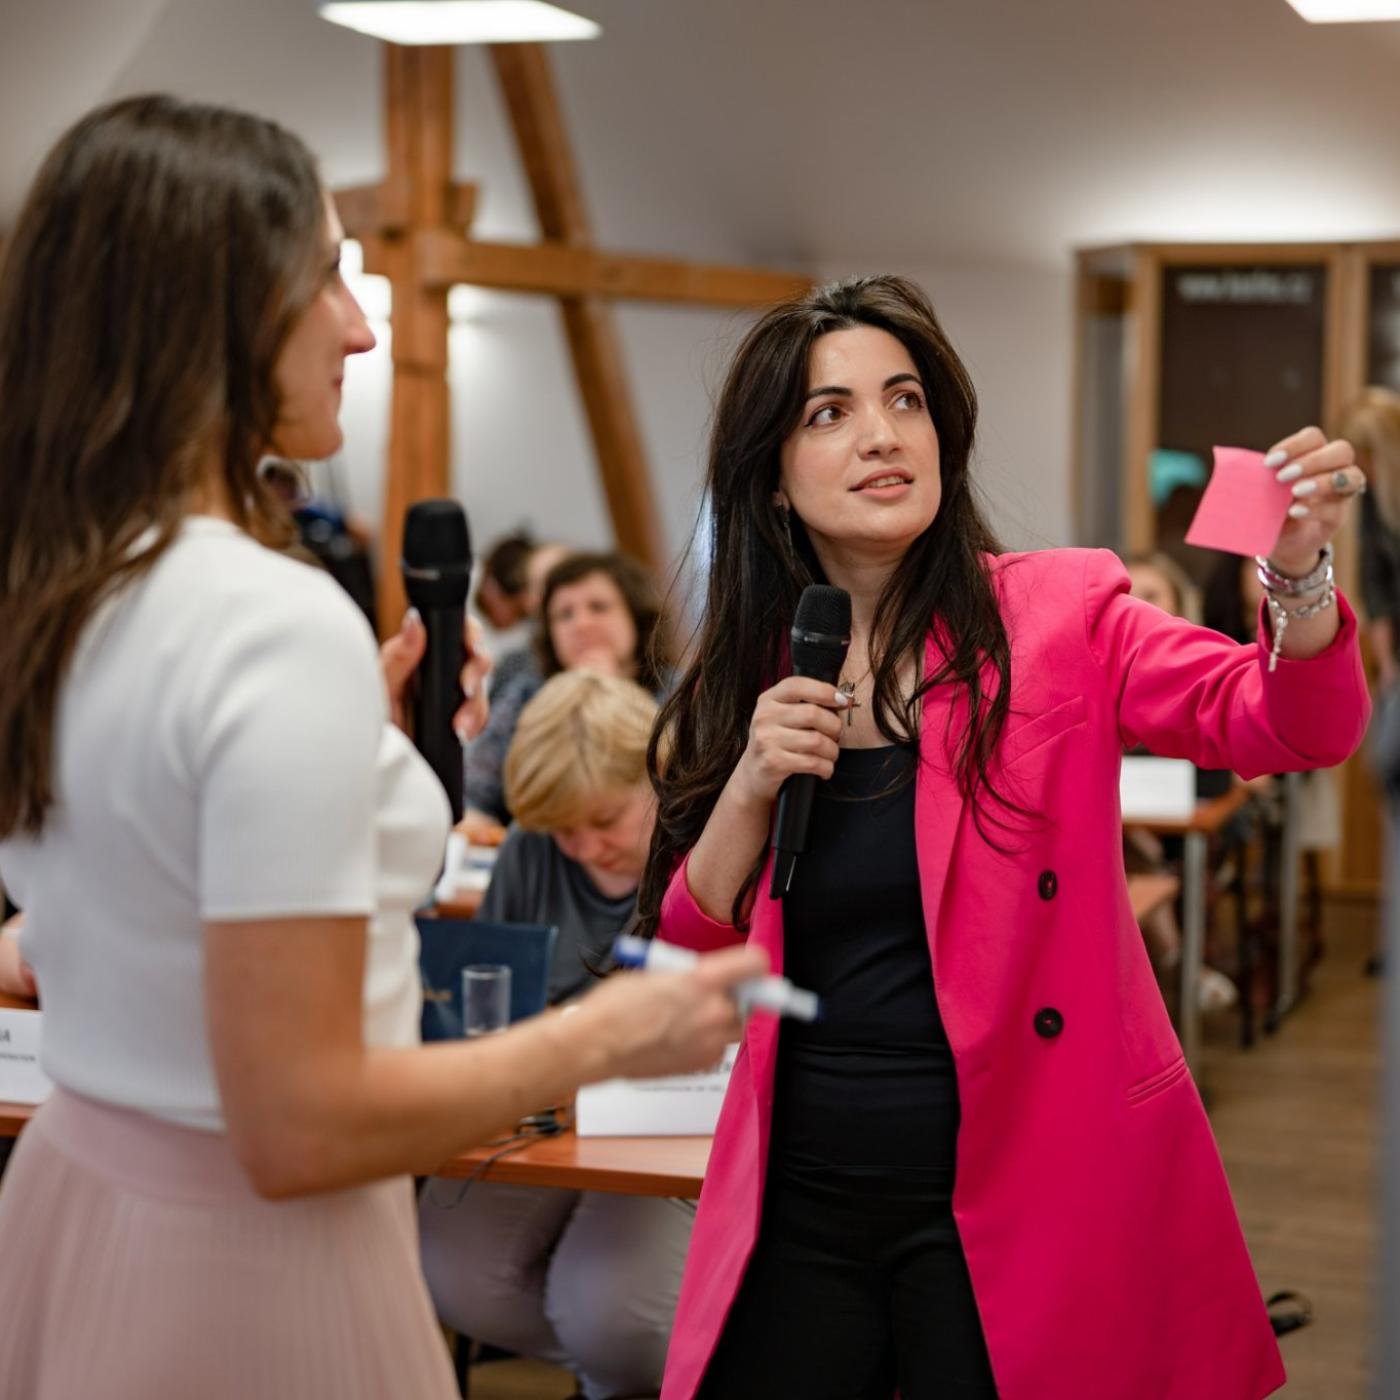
(485,999)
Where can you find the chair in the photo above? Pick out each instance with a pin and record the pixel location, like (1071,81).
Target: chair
(449,945)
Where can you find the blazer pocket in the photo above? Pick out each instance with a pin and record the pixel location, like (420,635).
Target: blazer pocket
(1157,1082)
(1020,740)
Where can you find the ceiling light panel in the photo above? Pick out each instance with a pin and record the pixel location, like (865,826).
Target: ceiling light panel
(459,21)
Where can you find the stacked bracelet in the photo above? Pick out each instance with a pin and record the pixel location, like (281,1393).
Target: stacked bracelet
(1278,585)
(1287,586)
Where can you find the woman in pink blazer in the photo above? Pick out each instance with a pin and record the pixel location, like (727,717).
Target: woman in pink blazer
(985,1171)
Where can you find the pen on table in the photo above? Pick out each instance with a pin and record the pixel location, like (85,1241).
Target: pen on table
(775,994)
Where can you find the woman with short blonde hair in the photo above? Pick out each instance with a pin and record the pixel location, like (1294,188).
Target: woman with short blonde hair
(583,735)
(586,1280)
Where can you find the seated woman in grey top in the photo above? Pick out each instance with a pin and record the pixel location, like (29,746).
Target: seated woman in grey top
(585,1280)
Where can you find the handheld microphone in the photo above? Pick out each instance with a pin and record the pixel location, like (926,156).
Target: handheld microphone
(437,563)
(821,633)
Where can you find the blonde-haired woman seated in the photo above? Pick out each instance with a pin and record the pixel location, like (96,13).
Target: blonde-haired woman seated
(582,1279)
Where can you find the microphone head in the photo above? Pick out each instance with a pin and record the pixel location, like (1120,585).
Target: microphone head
(437,554)
(823,610)
(821,632)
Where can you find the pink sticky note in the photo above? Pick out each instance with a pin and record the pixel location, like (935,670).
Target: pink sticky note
(1244,506)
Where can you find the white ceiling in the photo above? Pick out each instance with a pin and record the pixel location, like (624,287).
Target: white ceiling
(815,132)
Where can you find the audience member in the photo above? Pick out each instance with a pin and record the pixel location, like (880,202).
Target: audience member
(587,1280)
(1373,424)
(1156,579)
(598,610)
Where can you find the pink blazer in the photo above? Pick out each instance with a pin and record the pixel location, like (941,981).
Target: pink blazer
(1104,1249)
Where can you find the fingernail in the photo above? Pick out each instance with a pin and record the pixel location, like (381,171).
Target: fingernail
(412,618)
(842,698)
(1298,512)
(469,693)
(461,732)
(1290,473)
(1276,458)
(1305,488)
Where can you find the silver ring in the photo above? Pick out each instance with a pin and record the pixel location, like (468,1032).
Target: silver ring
(1341,483)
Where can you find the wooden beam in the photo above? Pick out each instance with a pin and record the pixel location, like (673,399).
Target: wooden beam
(367,210)
(538,121)
(560,269)
(1141,421)
(418,90)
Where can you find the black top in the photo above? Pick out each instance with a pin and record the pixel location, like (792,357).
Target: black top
(868,1091)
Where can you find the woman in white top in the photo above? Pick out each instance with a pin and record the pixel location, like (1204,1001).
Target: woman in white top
(216,834)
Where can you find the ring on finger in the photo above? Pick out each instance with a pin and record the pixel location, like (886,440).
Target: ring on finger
(1344,485)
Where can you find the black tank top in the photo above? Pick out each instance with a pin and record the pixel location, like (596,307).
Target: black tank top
(868,1092)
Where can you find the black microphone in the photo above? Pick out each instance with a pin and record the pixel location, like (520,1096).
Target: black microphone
(437,563)
(821,632)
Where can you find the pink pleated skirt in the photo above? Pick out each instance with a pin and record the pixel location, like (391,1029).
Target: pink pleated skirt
(137,1263)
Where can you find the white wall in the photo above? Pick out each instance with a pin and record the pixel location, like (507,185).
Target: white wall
(520,446)
(521,452)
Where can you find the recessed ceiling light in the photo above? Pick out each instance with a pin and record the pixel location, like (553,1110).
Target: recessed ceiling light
(459,21)
(1346,11)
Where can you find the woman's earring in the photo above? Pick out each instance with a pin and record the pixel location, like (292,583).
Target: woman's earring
(785,516)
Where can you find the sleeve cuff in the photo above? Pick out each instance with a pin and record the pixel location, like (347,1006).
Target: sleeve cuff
(683,921)
(1319,703)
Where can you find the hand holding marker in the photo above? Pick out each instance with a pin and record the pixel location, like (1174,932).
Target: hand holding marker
(775,994)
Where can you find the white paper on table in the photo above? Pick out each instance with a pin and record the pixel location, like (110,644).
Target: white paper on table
(680,1105)
(1162,788)
(465,869)
(21,1079)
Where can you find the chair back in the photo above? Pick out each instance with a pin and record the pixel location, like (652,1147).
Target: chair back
(446,946)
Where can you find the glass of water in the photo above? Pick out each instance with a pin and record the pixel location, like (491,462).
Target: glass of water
(485,999)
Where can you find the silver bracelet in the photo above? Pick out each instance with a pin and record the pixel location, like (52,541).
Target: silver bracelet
(1288,586)
(1282,616)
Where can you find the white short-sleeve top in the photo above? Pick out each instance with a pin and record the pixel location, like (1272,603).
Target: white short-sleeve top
(223,753)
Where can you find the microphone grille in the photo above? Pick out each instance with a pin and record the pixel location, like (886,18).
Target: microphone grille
(824,610)
(435,536)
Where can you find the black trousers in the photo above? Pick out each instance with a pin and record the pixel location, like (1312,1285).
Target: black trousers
(850,1295)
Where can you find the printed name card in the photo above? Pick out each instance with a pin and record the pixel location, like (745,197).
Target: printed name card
(1163,789)
(680,1105)
(21,1079)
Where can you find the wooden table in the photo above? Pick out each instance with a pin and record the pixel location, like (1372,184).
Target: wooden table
(659,1166)
(1208,820)
(631,1166)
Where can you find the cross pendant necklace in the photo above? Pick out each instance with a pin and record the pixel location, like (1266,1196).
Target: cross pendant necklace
(848,689)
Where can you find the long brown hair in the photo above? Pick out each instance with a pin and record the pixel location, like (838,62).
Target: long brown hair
(1372,425)
(161,258)
(757,574)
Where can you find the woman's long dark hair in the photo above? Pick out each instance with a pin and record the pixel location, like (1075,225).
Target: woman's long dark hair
(756,577)
(159,263)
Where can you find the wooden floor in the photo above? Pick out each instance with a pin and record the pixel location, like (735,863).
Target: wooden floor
(1298,1126)
(1296,1118)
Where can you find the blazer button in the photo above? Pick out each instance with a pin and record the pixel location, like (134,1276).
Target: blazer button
(1048,1022)
(1047,885)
